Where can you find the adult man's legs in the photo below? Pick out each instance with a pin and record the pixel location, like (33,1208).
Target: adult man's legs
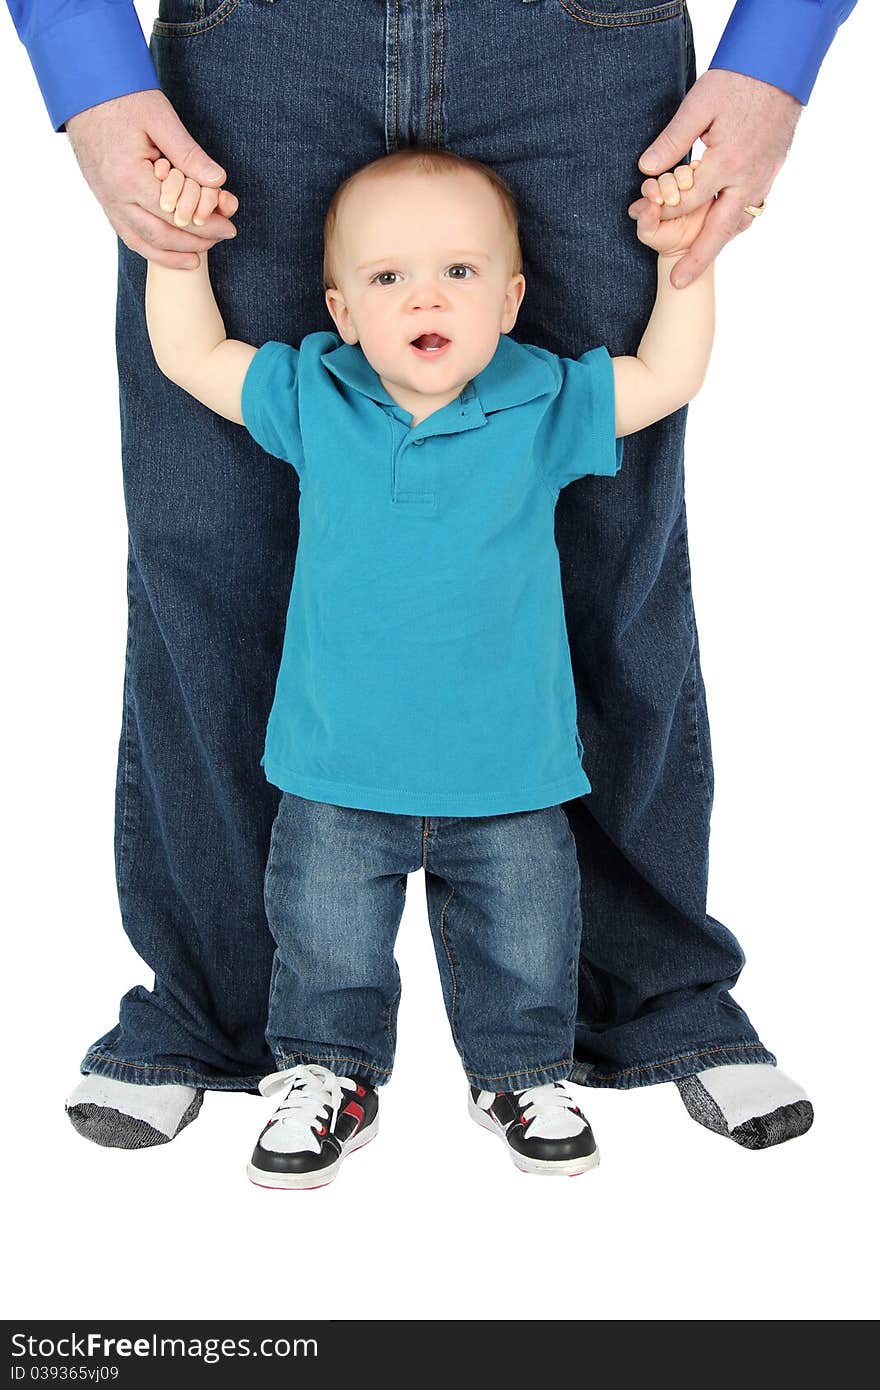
(593,85)
(213,528)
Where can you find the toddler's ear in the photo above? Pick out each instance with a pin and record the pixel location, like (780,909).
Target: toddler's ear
(340,315)
(512,301)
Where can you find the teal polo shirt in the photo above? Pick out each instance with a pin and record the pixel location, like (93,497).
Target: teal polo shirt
(425,668)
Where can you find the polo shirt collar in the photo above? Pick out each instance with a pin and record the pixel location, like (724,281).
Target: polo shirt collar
(513,377)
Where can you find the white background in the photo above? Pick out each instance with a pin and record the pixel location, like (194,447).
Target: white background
(433,1220)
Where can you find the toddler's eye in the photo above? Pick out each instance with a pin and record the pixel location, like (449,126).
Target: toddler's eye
(385,277)
(467,270)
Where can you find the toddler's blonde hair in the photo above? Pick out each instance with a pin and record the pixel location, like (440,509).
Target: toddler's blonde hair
(429,161)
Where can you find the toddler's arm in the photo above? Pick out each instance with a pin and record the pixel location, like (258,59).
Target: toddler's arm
(189,339)
(671,360)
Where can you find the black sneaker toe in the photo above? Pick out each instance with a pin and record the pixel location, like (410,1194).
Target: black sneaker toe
(558,1150)
(303,1161)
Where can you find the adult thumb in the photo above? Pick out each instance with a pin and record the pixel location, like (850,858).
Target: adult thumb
(174,140)
(676,139)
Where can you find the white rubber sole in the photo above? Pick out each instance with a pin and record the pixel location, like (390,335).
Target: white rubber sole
(543,1167)
(305,1181)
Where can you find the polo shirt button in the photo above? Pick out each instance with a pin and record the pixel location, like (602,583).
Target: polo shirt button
(418,441)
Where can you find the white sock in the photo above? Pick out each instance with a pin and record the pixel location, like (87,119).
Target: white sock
(755,1104)
(126,1115)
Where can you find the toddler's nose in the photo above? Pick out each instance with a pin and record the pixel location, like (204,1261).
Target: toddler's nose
(427,296)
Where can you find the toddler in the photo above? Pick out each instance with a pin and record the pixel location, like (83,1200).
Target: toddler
(424,713)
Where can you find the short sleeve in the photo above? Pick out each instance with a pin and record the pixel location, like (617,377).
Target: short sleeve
(578,436)
(270,404)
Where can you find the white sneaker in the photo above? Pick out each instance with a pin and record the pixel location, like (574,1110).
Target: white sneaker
(314,1127)
(543,1128)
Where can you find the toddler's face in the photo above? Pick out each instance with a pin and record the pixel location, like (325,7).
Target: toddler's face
(423,265)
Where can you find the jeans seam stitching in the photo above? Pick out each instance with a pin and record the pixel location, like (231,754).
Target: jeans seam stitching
(431,80)
(390,1013)
(520,1071)
(636,18)
(684,1057)
(163,1066)
(449,957)
(440,78)
(128,762)
(185,31)
(394,78)
(695,721)
(692,669)
(126,754)
(308,1057)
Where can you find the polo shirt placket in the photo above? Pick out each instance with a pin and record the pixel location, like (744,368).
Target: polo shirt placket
(414,479)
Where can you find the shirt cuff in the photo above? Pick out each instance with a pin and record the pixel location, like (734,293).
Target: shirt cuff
(91,57)
(609,454)
(783,43)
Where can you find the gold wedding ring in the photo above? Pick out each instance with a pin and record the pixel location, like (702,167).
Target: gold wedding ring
(756,211)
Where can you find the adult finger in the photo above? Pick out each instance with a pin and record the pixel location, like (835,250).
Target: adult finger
(174,140)
(155,232)
(676,139)
(725,220)
(171,259)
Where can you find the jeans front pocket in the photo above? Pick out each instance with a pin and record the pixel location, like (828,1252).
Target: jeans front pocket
(608,14)
(182,19)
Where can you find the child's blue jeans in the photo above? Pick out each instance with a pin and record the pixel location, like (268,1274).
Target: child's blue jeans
(504,907)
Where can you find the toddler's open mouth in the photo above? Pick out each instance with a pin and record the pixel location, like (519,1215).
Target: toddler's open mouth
(430,345)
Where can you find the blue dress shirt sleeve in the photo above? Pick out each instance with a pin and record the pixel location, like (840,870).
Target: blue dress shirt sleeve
(83,52)
(270,402)
(781,41)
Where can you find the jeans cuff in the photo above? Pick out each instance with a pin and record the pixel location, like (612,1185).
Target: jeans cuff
(158,1074)
(342,1063)
(672,1068)
(521,1080)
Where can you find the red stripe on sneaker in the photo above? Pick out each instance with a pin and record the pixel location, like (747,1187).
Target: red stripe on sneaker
(354,1109)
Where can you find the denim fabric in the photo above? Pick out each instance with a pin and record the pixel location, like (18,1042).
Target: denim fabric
(292,96)
(504,908)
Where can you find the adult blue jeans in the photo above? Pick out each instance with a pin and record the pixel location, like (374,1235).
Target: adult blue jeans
(292,96)
(504,907)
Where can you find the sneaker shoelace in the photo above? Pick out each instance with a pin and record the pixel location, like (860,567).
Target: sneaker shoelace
(549,1111)
(312,1089)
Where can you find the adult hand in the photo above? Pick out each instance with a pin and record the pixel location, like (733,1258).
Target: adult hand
(115,144)
(747,127)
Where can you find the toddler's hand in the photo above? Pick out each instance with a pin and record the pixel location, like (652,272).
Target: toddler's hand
(188,200)
(673,234)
